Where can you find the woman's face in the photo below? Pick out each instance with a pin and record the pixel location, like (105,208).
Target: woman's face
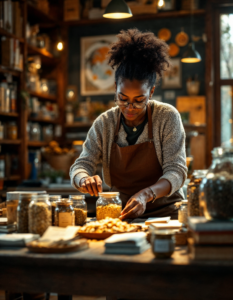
(133,91)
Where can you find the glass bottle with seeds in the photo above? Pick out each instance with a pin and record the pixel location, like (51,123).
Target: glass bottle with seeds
(162,242)
(12,200)
(108,205)
(64,213)
(39,217)
(22,211)
(193,191)
(216,190)
(80,209)
(183,212)
(53,200)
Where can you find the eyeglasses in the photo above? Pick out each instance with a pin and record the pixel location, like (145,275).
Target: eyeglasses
(135,105)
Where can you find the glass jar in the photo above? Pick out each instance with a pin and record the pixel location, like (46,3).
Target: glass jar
(64,213)
(12,200)
(35,133)
(39,216)
(80,209)
(193,191)
(216,190)
(108,205)
(53,200)
(22,211)
(162,242)
(183,212)
(12,131)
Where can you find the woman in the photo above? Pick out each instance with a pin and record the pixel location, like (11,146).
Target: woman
(141,142)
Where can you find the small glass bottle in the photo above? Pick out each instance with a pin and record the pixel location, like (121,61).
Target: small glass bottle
(80,209)
(53,200)
(12,201)
(39,217)
(64,213)
(108,205)
(162,242)
(22,211)
(183,212)
(12,131)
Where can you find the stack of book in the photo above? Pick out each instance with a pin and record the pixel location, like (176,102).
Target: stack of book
(10,53)
(11,18)
(127,243)
(5,228)
(210,239)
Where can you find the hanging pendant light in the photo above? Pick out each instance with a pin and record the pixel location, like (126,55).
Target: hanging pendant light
(191,55)
(117,9)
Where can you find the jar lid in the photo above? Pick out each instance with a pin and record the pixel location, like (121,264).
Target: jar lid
(16,194)
(53,198)
(184,202)
(109,194)
(164,232)
(77,197)
(64,201)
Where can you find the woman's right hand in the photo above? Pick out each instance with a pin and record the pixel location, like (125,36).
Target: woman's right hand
(91,185)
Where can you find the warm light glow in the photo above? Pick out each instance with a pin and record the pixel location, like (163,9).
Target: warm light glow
(190,60)
(161,3)
(117,16)
(230,121)
(60,46)
(71,94)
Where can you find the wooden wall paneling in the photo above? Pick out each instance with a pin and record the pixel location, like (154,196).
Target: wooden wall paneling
(196,107)
(23,111)
(198,151)
(209,82)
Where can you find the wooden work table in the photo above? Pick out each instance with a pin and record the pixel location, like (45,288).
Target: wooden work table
(92,273)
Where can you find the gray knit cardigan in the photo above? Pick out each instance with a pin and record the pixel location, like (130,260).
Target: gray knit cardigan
(169,141)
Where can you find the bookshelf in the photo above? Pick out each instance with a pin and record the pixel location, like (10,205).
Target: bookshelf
(52,68)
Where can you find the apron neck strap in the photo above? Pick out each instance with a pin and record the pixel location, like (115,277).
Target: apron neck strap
(150,129)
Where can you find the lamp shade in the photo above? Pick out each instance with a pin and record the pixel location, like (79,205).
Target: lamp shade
(191,55)
(117,9)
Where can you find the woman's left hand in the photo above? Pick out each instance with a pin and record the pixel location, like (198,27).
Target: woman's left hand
(136,205)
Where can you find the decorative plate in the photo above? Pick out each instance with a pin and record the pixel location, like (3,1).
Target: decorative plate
(164,34)
(173,50)
(182,39)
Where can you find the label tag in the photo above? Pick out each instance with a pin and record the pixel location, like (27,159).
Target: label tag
(163,246)
(66,219)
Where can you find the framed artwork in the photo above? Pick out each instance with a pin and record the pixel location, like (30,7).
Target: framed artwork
(172,79)
(97,77)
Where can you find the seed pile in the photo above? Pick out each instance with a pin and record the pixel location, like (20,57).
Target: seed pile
(218,193)
(39,218)
(12,211)
(22,216)
(193,198)
(107,225)
(80,216)
(110,211)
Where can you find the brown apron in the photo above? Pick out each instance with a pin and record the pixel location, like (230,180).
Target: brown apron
(135,167)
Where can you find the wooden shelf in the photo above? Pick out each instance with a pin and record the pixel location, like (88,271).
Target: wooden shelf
(42,121)
(4,32)
(12,178)
(191,127)
(10,142)
(78,125)
(46,57)
(45,97)
(37,16)
(13,72)
(159,15)
(4,114)
(37,144)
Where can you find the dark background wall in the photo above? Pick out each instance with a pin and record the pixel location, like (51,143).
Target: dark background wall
(175,25)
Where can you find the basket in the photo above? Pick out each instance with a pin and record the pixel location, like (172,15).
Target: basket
(60,162)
